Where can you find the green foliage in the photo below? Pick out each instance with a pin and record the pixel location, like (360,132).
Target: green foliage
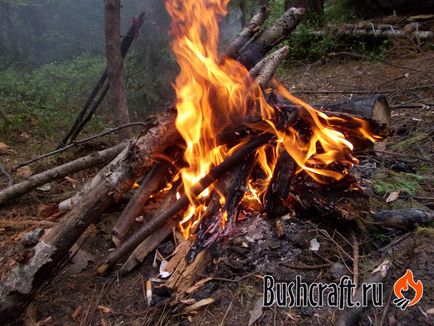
(389,181)
(338,11)
(46,98)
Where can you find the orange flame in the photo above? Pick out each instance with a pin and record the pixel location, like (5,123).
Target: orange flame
(404,283)
(214,94)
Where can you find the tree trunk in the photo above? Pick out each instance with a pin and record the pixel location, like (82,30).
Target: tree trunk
(316,6)
(115,64)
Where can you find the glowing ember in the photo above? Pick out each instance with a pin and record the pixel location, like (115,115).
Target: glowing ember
(214,95)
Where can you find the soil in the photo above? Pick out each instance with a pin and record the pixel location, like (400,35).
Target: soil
(78,295)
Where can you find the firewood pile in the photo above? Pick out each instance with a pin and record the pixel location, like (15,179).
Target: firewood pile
(235,142)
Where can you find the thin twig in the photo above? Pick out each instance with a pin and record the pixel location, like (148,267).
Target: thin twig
(7,174)
(81,141)
(226,314)
(356,260)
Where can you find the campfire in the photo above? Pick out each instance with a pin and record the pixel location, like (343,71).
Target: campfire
(236,143)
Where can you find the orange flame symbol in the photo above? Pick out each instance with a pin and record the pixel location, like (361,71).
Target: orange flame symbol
(403,284)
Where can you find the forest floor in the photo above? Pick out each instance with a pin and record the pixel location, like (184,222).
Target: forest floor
(78,295)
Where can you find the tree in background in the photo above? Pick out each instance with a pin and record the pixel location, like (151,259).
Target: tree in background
(112,19)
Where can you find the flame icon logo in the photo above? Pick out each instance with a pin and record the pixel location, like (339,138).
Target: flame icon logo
(403,284)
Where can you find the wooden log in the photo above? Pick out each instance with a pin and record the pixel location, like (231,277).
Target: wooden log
(276,196)
(184,274)
(270,37)
(153,181)
(271,63)
(60,171)
(391,33)
(403,218)
(24,280)
(152,241)
(373,107)
(247,33)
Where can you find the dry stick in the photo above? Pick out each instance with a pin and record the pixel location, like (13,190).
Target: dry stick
(158,220)
(351,315)
(125,46)
(247,33)
(270,66)
(150,184)
(153,241)
(60,171)
(7,175)
(355,260)
(81,141)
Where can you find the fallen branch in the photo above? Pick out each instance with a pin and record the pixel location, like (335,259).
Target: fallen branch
(403,218)
(60,171)
(81,141)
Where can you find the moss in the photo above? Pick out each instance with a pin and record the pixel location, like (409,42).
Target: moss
(408,142)
(388,181)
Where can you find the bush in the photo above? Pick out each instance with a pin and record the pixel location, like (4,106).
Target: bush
(48,97)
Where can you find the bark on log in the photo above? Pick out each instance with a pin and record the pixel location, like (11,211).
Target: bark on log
(247,33)
(22,283)
(150,184)
(271,63)
(60,171)
(404,218)
(270,37)
(153,241)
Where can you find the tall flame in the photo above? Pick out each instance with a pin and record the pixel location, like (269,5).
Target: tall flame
(214,94)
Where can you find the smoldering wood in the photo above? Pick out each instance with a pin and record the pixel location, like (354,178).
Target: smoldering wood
(125,46)
(153,181)
(403,218)
(247,33)
(270,37)
(24,280)
(60,171)
(278,190)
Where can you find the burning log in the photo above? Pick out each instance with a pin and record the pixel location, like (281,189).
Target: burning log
(269,66)
(60,171)
(278,190)
(270,37)
(159,220)
(247,33)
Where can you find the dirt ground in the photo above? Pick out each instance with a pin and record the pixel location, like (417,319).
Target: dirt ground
(78,295)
